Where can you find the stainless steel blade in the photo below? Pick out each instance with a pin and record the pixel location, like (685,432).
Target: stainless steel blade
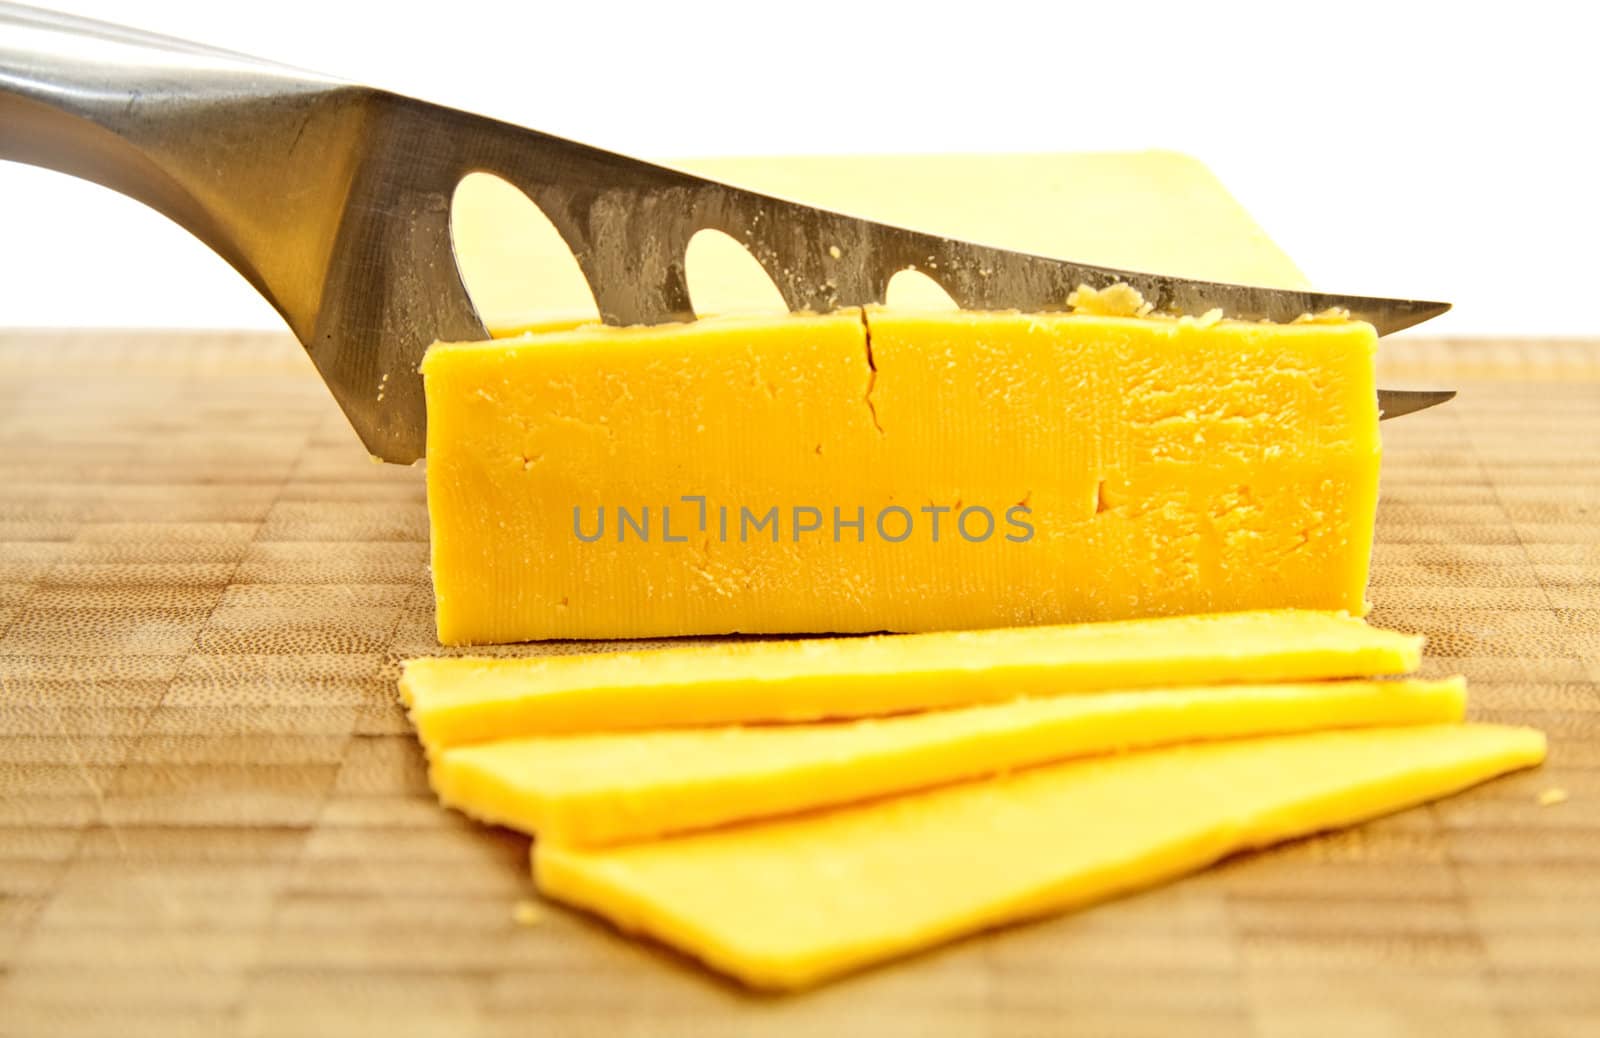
(1392,403)
(333,199)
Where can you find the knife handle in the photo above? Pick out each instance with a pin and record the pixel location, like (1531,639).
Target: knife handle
(213,139)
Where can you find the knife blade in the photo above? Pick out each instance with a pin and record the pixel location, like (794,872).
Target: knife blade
(333,200)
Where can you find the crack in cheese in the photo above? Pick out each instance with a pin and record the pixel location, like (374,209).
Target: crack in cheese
(601,789)
(465,700)
(788,903)
(1083,468)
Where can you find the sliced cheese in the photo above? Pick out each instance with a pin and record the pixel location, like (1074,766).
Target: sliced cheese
(787,903)
(600,789)
(465,700)
(963,470)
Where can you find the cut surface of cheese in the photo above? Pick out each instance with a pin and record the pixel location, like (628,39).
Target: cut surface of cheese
(1150,210)
(914,472)
(466,700)
(601,789)
(790,902)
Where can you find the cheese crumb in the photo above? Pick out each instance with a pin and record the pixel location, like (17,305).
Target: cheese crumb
(526,913)
(1119,300)
(1552,796)
(1205,320)
(1332,315)
(1123,300)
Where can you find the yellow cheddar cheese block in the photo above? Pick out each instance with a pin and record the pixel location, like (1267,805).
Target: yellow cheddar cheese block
(603,789)
(1149,210)
(805,382)
(915,472)
(464,700)
(788,903)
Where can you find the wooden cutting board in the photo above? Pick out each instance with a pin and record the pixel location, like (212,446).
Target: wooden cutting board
(215,821)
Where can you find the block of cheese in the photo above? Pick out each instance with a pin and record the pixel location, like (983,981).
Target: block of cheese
(624,787)
(464,700)
(1150,210)
(914,472)
(790,902)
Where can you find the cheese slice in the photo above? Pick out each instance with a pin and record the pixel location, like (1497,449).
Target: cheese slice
(600,789)
(788,903)
(463,700)
(1146,210)
(955,470)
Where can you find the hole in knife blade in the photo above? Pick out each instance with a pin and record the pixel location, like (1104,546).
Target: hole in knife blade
(724,278)
(914,290)
(518,269)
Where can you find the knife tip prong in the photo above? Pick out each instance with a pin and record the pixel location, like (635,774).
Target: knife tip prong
(1408,313)
(1392,403)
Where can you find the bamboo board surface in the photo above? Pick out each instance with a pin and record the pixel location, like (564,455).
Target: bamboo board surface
(214,820)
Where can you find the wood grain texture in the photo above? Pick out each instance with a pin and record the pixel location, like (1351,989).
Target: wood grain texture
(215,821)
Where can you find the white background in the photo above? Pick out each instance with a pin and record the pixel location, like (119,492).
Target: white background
(1439,150)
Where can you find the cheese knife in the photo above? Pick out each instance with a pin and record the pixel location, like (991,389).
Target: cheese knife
(333,200)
